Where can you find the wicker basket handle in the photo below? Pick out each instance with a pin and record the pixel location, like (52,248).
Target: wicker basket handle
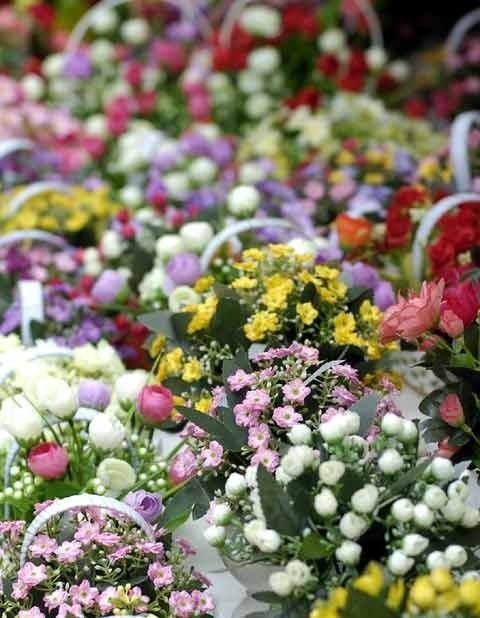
(37,188)
(9,146)
(460,29)
(459,154)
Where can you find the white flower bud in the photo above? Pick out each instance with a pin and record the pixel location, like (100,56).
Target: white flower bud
(235,485)
(330,472)
(456,556)
(250,83)
(471,517)
(196,235)
(399,564)
(221,514)
(129,385)
(261,20)
(442,469)
(332,40)
(325,503)
(376,58)
(33,86)
(334,429)
(423,516)
(96,125)
(352,525)
(454,510)
(177,185)
(106,432)
(251,173)
(257,105)
(391,424)
(292,465)
(436,560)
(169,245)
(52,66)
(116,475)
(414,544)
(101,52)
(111,244)
(56,396)
(104,20)
(135,31)
(364,500)
(458,489)
(349,553)
(243,200)
(352,422)
(409,432)
(20,418)
(215,535)
(399,70)
(299,572)
(203,170)
(434,497)
(268,541)
(264,60)
(281,583)
(252,529)
(390,462)
(131,196)
(300,434)
(182,296)
(402,510)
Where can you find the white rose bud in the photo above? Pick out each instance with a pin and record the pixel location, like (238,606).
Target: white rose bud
(112,245)
(352,422)
(330,472)
(222,514)
(104,20)
(182,296)
(252,529)
(454,510)
(391,424)
(135,31)
(169,245)
(456,556)
(332,41)
(251,173)
(177,185)
(402,510)
(129,385)
(423,516)
(243,200)
(106,432)
(442,469)
(131,196)
(399,70)
(399,564)
(300,434)
(349,553)
(292,465)
(325,503)
(414,544)
(20,418)
(196,235)
(235,485)
(215,535)
(471,517)
(390,462)
(264,60)
(458,489)
(261,20)
(376,58)
(334,429)
(203,170)
(281,583)
(436,560)
(299,572)
(409,432)
(268,541)
(116,475)
(434,497)
(33,86)
(57,397)
(364,500)
(52,66)
(352,525)
(101,51)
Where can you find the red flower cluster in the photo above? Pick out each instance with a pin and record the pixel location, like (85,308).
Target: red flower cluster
(459,232)
(232,57)
(300,20)
(399,223)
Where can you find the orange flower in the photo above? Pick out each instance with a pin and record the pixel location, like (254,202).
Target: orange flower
(354,232)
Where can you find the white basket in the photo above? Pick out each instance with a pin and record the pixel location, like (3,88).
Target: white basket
(459,152)
(460,29)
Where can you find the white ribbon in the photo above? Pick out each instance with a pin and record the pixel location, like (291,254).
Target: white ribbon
(428,223)
(459,152)
(460,29)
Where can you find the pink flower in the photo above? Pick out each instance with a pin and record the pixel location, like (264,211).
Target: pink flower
(446,449)
(183,466)
(268,458)
(296,391)
(410,318)
(240,379)
(107,539)
(245,416)
(69,552)
(55,599)
(187,548)
(160,575)
(203,602)
(259,436)
(346,371)
(67,611)
(330,413)
(343,396)
(120,553)
(266,374)
(12,528)
(155,549)
(212,456)
(451,410)
(182,604)
(87,532)
(48,460)
(256,400)
(43,546)
(41,506)
(304,352)
(106,599)
(286,417)
(450,323)
(32,574)
(155,404)
(34,612)
(84,594)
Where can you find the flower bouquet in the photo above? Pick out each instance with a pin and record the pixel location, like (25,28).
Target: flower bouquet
(93,561)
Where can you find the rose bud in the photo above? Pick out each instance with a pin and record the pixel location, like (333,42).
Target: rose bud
(155,404)
(450,323)
(184,269)
(108,287)
(48,460)
(146,504)
(446,449)
(353,232)
(451,411)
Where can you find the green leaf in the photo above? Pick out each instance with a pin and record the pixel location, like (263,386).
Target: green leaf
(351,481)
(360,605)
(228,321)
(366,407)
(225,291)
(159,322)
(192,498)
(230,440)
(315,547)
(60,489)
(267,597)
(276,505)
(408,478)
(227,417)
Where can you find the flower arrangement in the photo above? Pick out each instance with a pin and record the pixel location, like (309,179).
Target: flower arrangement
(102,566)
(440,591)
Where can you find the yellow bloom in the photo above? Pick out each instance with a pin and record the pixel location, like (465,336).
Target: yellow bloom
(326,272)
(469,591)
(345,157)
(255,255)
(244,283)
(374,178)
(248,267)
(158,344)
(335,177)
(192,371)
(204,284)
(448,601)
(203,315)
(307,313)
(338,598)
(375,157)
(260,324)
(395,595)
(441,579)
(203,404)
(280,251)
(423,594)
(370,313)
(371,582)
(428,168)
(170,364)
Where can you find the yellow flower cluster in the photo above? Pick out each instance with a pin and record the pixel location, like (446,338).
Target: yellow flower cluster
(174,364)
(202,314)
(65,213)
(435,592)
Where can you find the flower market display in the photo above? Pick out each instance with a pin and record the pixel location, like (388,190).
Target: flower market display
(239,311)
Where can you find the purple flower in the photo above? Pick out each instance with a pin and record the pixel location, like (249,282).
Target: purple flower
(107,287)
(78,66)
(184,269)
(93,394)
(183,31)
(221,151)
(147,504)
(383,295)
(361,274)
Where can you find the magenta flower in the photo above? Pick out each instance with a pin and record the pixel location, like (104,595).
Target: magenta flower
(182,604)
(259,436)
(296,391)
(212,455)
(240,379)
(43,546)
(245,416)
(286,417)
(256,400)
(160,575)
(84,594)
(187,548)
(268,458)
(183,466)
(32,574)
(106,599)
(108,539)
(304,352)
(69,552)
(346,371)
(120,553)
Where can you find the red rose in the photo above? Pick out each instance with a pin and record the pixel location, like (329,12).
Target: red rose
(463,300)
(441,255)
(398,228)
(328,64)
(357,62)
(352,82)
(415,108)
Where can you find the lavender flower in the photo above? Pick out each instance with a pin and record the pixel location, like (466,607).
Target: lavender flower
(184,269)
(108,286)
(147,504)
(93,394)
